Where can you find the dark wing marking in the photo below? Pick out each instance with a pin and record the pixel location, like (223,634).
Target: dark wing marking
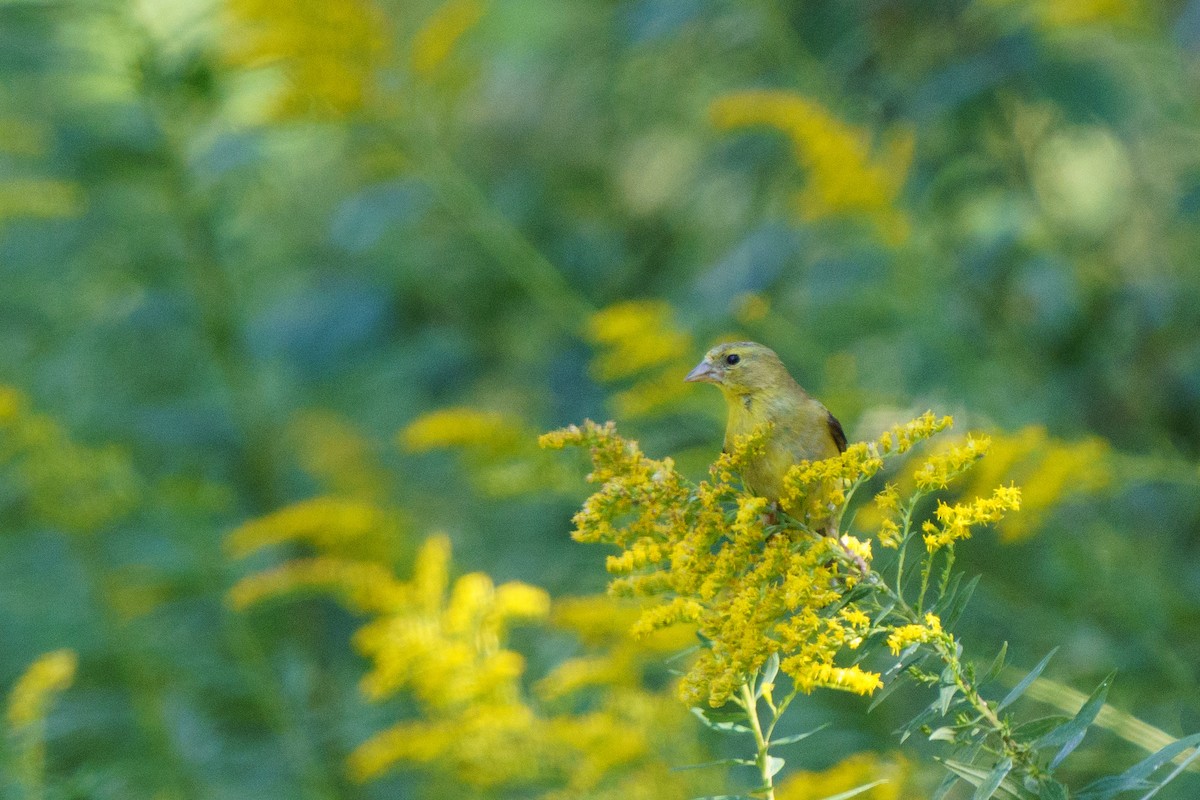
(839,435)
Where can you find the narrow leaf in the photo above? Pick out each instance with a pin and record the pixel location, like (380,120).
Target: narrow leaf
(1020,688)
(944,789)
(796,737)
(1068,736)
(1174,773)
(1052,790)
(997,665)
(721,721)
(1135,777)
(989,786)
(945,698)
(769,671)
(854,792)
(886,691)
(959,602)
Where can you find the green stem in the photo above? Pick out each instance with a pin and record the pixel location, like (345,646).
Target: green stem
(762,742)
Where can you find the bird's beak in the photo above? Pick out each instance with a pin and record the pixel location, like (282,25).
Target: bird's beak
(704,372)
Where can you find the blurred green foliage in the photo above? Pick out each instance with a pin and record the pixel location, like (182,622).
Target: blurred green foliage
(220,222)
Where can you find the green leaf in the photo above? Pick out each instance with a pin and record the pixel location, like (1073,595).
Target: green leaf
(949,783)
(1173,774)
(1068,736)
(997,665)
(796,737)
(887,690)
(769,671)
(724,721)
(1034,728)
(1052,790)
(976,777)
(989,786)
(1135,778)
(774,764)
(916,722)
(854,792)
(945,698)
(958,602)
(1020,688)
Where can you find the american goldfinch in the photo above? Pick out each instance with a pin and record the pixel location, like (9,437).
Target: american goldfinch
(758,389)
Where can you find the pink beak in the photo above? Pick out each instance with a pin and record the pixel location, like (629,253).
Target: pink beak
(704,372)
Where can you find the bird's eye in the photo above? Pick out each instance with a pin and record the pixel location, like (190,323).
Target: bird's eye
(732,359)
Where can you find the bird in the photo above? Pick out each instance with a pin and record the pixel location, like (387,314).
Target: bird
(759,389)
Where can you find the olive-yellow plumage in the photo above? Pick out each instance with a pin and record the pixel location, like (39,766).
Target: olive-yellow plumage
(758,389)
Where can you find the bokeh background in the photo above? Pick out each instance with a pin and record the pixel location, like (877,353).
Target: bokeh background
(254,253)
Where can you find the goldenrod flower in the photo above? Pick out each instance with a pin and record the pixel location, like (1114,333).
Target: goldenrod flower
(954,522)
(905,635)
(849,773)
(843,177)
(939,470)
(46,678)
(79,489)
(640,340)
(437,37)
(327,523)
(328,51)
(461,426)
(749,593)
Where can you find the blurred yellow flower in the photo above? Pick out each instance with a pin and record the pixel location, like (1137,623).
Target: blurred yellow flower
(436,38)
(327,523)
(328,51)
(46,678)
(1048,469)
(79,489)
(843,177)
(462,426)
(640,341)
(850,773)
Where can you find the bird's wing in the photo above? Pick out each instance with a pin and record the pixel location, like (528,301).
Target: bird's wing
(835,430)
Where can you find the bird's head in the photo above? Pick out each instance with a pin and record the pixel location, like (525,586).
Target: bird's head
(740,368)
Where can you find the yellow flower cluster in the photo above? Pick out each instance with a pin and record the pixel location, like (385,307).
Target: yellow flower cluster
(949,463)
(812,489)
(887,505)
(905,635)
(708,551)
(441,642)
(954,522)
(328,51)
(903,438)
(639,340)
(79,489)
(47,677)
(843,177)
(1048,470)
(330,524)
(848,774)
